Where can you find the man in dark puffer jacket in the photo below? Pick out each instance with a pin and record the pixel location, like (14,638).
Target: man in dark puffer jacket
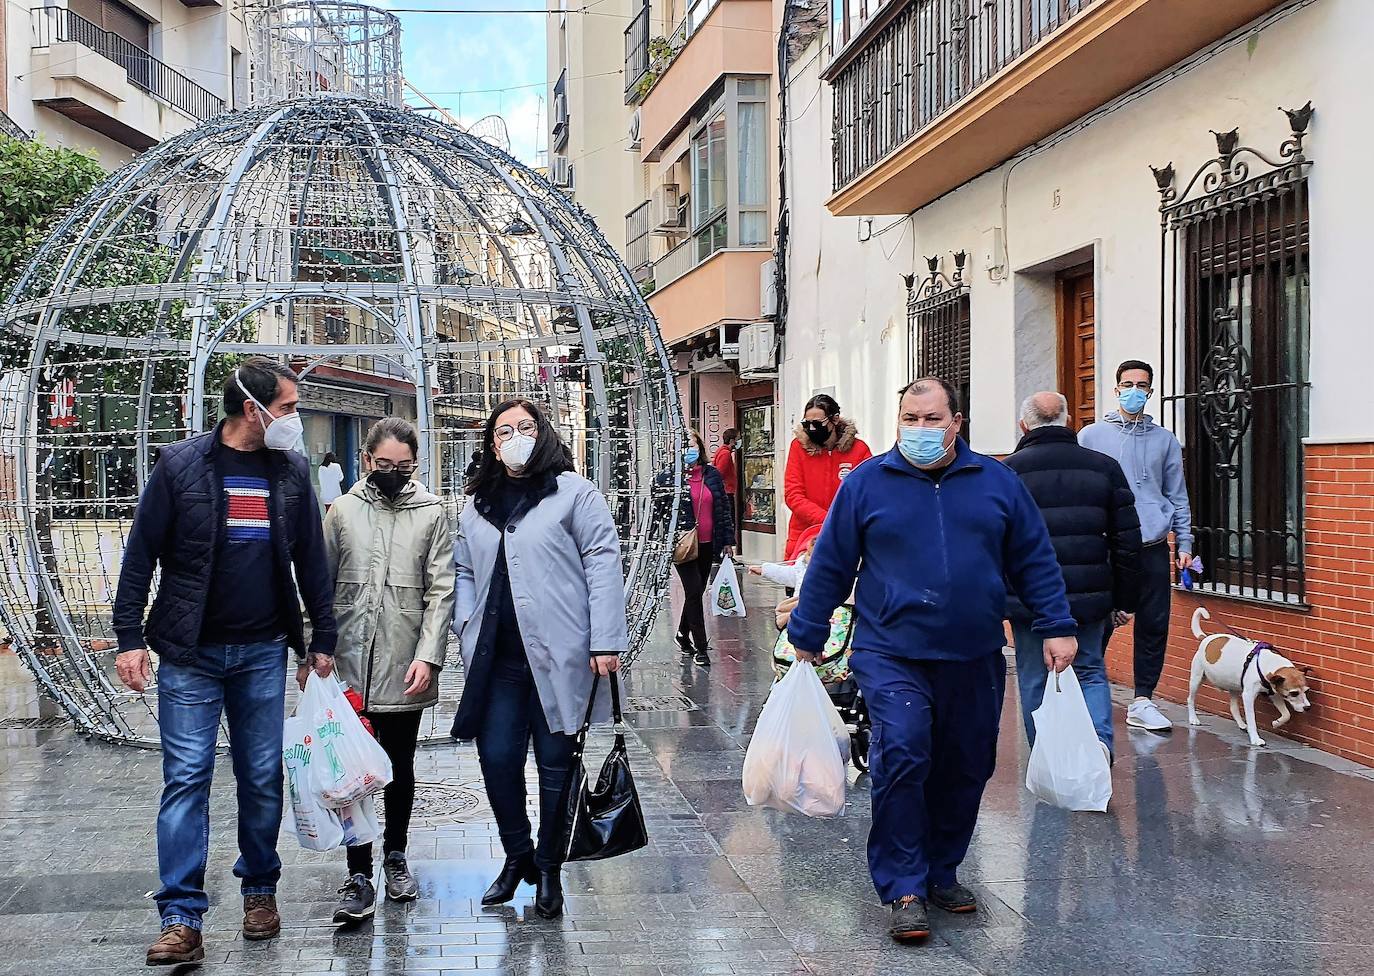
(231,520)
(1090,512)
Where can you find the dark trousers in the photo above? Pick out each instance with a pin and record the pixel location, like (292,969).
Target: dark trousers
(1152,617)
(514,717)
(933,750)
(397,732)
(695,576)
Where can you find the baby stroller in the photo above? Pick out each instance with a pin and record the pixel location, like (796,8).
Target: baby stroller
(833,670)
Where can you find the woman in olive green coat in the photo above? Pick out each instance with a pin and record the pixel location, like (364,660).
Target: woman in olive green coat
(390,549)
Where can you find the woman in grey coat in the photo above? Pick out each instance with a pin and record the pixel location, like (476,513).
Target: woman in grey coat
(540,612)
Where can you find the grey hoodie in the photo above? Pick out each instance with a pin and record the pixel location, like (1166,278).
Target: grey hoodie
(1153,461)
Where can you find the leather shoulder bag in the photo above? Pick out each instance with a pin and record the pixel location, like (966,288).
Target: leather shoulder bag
(605,820)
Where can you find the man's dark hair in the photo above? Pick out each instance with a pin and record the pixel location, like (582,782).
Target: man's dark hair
(392,428)
(730,436)
(329,458)
(925,385)
(825,402)
(259,376)
(1136,364)
(551,456)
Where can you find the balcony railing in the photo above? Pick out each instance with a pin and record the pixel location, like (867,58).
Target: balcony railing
(925,60)
(638,228)
(636,52)
(55,25)
(675,264)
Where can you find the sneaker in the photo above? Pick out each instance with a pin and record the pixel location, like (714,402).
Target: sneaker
(953,898)
(177,946)
(684,643)
(701,659)
(357,900)
(909,921)
(1144,714)
(400,883)
(261,920)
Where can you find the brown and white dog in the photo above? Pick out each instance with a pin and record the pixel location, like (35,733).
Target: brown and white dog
(1245,669)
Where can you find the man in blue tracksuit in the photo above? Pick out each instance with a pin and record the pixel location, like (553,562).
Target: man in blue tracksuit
(932,530)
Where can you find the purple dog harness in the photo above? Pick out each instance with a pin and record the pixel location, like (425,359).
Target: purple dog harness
(1254,656)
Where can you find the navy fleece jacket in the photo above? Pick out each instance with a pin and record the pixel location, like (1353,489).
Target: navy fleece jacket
(932,559)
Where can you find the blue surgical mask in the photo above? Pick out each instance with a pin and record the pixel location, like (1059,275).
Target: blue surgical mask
(922,446)
(691,455)
(1132,399)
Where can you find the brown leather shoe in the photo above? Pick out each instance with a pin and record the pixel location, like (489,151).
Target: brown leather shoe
(178,945)
(260,918)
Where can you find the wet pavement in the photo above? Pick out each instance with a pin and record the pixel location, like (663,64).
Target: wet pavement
(1214,858)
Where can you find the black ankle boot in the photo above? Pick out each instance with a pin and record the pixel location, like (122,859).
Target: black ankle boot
(517,869)
(548,898)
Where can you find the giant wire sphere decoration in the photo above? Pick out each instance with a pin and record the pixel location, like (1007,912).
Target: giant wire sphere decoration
(400,265)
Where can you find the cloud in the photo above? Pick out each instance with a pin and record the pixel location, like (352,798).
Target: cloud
(458,60)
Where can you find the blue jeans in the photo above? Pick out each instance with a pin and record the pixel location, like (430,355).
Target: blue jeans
(514,718)
(247,683)
(1090,664)
(933,750)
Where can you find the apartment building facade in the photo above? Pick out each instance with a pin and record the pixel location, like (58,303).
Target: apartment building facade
(1020,195)
(114,77)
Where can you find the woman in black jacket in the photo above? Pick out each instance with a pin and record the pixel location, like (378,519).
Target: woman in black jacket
(706,507)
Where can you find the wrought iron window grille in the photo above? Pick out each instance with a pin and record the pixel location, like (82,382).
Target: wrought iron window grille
(938,325)
(1233,366)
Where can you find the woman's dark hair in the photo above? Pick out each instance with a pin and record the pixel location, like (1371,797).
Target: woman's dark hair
(701,445)
(823,401)
(392,429)
(551,456)
(329,459)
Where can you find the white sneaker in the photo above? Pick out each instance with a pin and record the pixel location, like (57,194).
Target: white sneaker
(1143,714)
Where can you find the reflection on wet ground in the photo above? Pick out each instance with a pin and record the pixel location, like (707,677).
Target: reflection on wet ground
(1214,858)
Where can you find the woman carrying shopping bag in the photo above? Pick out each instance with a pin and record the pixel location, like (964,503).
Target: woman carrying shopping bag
(390,550)
(540,614)
(705,507)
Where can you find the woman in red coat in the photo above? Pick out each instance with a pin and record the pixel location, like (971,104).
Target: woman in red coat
(826,449)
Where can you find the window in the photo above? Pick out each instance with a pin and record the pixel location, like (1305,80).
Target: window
(729,158)
(938,327)
(708,170)
(753,156)
(1235,287)
(1247,324)
(756,453)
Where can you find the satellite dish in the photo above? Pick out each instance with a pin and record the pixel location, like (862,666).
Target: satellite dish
(491,129)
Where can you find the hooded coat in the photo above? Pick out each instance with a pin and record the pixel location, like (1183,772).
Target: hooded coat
(392,566)
(814,473)
(1152,460)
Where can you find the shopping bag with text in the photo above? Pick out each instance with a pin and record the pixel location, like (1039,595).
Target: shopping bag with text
(348,763)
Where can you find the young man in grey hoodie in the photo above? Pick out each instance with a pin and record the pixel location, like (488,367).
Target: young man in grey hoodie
(1152,459)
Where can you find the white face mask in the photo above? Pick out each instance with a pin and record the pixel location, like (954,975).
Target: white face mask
(515,453)
(283,433)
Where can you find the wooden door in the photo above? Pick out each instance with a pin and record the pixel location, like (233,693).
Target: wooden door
(1078,345)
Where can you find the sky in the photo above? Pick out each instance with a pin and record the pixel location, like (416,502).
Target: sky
(458,59)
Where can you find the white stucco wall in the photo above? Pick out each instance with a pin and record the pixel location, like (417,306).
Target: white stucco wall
(846,326)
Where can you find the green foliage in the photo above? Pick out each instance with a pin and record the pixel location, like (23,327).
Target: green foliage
(38,184)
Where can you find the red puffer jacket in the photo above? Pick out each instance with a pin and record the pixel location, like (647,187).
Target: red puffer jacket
(814,473)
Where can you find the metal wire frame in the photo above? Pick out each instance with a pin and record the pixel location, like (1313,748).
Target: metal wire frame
(310,47)
(1233,370)
(377,250)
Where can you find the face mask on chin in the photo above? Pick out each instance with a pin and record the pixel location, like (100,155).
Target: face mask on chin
(389,483)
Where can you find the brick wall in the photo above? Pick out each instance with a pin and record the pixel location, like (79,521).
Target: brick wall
(1335,637)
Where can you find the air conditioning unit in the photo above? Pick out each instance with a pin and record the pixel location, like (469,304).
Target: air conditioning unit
(666,210)
(560,172)
(560,109)
(756,350)
(633,133)
(768,288)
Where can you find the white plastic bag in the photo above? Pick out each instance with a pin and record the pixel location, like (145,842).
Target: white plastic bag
(358,822)
(726,598)
(316,826)
(1068,767)
(348,764)
(798,755)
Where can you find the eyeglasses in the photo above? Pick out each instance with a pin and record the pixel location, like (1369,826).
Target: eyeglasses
(405,467)
(527,427)
(1142,385)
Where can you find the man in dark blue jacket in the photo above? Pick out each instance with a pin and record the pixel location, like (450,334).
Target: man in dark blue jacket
(1090,512)
(931,530)
(228,516)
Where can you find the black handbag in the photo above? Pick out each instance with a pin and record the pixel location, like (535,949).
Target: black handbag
(606,821)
